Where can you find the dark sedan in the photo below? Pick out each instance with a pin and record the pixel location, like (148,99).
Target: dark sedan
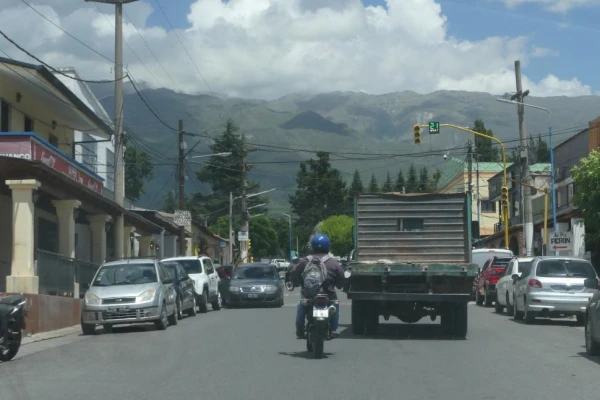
(256,283)
(184,286)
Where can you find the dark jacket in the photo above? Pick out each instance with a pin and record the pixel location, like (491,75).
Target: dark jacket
(335,273)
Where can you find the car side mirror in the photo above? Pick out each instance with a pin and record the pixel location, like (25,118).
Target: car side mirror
(515,277)
(591,283)
(85,286)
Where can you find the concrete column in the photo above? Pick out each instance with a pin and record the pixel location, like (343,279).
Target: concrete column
(23,274)
(127,245)
(66,226)
(578,229)
(145,242)
(98,228)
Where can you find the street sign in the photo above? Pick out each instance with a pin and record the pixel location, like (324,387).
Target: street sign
(183,217)
(222,245)
(560,241)
(243,236)
(434,128)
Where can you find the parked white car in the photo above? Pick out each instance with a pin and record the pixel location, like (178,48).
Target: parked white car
(206,280)
(505,286)
(280,263)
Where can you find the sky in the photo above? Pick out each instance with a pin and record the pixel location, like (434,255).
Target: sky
(270,48)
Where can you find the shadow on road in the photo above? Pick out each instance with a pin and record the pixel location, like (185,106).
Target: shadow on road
(583,354)
(401,332)
(550,322)
(302,354)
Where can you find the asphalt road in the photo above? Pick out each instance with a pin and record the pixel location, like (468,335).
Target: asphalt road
(253,354)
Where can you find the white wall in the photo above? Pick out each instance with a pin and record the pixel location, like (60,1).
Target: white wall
(83,246)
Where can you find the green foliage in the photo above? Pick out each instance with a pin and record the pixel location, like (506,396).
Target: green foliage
(412,185)
(387,185)
(339,230)
(539,151)
(355,188)
(586,177)
(484,147)
(263,237)
(138,171)
(423,180)
(320,191)
(400,182)
(373,185)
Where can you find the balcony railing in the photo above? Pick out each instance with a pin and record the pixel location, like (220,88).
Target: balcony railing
(58,274)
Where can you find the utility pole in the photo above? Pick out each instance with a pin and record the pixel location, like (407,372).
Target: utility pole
(478,199)
(470,165)
(519,96)
(181,187)
(119,189)
(245,215)
(231,227)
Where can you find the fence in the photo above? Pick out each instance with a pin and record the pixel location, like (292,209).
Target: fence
(58,274)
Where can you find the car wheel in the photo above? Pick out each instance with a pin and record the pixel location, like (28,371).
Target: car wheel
(282,301)
(517,315)
(592,347)
(172,319)
(108,328)
(216,305)
(88,329)
(179,308)
(497,306)
(203,306)
(162,322)
(528,315)
(580,319)
(192,311)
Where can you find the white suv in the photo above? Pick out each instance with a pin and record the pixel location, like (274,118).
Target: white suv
(206,280)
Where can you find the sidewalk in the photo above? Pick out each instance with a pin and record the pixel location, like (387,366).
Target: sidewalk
(38,337)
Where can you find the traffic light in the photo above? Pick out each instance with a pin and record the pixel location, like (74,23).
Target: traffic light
(417,134)
(249,245)
(504,196)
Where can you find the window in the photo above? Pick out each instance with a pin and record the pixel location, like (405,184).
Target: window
(208,267)
(88,152)
(191,266)
(4,116)
(110,169)
(27,124)
(410,224)
(53,140)
(488,206)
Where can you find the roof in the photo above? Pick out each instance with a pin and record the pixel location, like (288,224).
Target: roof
(539,168)
(62,88)
(455,167)
(586,130)
(141,260)
(159,219)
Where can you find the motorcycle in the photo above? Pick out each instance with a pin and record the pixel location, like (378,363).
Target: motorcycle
(13,311)
(319,312)
(289,285)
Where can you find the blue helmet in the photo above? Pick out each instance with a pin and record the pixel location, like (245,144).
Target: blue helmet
(320,243)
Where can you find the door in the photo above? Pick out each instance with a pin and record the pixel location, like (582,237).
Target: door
(167,281)
(187,287)
(213,283)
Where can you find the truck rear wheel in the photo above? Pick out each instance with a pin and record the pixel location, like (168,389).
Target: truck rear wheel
(359,311)
(372,318)
(460,320)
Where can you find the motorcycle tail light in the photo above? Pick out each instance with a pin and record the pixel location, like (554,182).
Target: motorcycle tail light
(321,301)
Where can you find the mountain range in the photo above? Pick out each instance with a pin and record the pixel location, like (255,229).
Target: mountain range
(371,133)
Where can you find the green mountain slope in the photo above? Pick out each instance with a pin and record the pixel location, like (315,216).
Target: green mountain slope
(368,132)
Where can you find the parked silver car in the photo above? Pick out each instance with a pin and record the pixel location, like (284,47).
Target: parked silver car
(553,287)
(129,291)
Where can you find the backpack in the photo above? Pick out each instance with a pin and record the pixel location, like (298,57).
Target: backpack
(313,276)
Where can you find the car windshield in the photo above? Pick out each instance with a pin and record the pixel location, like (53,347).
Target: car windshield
(191,266)
(255,273)
(565,268)
(171,267)
(125,274)
(523,265)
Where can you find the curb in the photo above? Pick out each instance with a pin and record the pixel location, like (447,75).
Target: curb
(38,337)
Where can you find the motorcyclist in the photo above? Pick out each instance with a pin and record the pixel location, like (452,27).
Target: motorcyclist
(320,248)
(293,264)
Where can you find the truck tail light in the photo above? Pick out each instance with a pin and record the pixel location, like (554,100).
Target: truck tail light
(534,283)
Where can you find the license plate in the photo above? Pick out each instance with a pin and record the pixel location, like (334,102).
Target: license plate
(253,296)
(115,309)
(320,313)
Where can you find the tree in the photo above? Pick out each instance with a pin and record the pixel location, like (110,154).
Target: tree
(339,229)
(542,152)
(423,180)
(435,179)
(484,148)
(412,185)
(263,237)
(355,188)
(387,185)
(586,177)
(224,174)
(138,171)
(373,185)
(400,183)
(320,191)
(170,204)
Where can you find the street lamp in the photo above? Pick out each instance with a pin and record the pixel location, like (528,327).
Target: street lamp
(290,220)
(213,155)
(555,226)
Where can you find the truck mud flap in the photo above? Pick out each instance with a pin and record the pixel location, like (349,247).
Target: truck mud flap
(375,296)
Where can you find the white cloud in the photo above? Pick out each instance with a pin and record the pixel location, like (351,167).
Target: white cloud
(555,6)
(268,48)
(542,52)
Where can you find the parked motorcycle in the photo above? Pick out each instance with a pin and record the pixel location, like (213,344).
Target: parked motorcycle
(319,314)
(13,311)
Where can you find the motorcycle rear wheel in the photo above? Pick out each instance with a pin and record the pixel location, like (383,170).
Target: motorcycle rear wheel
(7,354)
